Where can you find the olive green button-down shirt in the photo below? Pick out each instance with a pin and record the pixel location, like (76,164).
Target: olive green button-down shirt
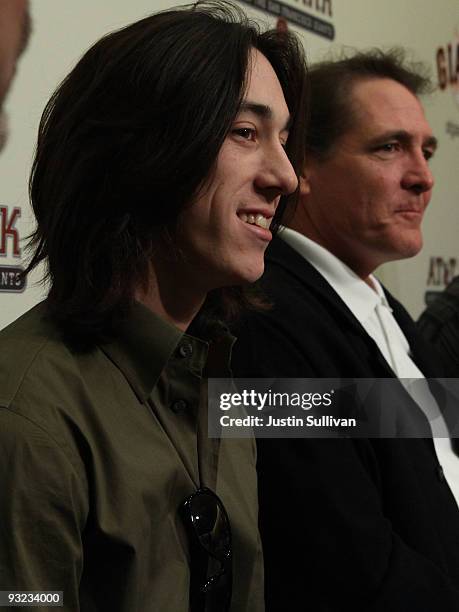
(97,452)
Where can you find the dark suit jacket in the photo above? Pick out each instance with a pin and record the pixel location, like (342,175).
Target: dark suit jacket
(367,524)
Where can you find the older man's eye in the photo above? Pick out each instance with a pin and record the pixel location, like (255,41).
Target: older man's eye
(389,147)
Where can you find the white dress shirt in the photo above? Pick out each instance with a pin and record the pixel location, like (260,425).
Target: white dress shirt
(370,307)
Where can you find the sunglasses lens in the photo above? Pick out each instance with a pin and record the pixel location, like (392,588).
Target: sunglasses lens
(209,533)
(211,525)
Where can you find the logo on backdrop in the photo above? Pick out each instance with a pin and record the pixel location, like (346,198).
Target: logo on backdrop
(452,129)
(440,273)
(447,59)
(448,76)
(11,280)
(292,12)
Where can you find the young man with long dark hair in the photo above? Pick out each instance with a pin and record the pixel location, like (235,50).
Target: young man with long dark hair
(161,161)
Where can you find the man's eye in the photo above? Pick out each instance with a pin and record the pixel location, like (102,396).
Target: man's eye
(428,154)
(245,133)
(389,147)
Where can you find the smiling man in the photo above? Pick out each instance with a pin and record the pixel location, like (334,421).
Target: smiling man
(354,524)
(160,163)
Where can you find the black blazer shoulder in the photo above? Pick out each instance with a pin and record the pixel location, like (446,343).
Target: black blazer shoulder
(310,324)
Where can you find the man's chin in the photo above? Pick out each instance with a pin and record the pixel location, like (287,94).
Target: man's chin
(410,247)
(249,275)
(401,242)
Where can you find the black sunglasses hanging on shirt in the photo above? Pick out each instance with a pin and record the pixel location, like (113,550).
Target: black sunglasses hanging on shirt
(209,533)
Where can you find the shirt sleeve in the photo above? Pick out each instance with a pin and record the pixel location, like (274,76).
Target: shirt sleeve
(43,508)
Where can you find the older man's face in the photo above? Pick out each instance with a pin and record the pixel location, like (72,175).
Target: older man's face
(366,201)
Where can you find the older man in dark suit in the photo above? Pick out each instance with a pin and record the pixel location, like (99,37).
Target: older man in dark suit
(368,524)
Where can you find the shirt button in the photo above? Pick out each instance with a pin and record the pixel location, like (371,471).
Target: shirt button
(440,474)
(186,350)
(179,406)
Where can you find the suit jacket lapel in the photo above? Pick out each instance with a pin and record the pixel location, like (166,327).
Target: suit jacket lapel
(282,254)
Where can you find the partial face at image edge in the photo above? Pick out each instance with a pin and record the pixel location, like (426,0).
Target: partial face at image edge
(14,28)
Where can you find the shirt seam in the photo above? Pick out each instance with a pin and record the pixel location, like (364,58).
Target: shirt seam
(6,403)
(48,435)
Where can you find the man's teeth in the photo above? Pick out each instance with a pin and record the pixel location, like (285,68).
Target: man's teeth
(255,220)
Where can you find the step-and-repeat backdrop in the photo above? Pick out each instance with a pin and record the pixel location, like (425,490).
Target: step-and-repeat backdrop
(63,30)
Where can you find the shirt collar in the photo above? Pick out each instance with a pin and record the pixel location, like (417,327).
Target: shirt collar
(359,297)
(145,343)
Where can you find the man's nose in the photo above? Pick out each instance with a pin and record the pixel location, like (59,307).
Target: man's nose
(276,172)
(418,176)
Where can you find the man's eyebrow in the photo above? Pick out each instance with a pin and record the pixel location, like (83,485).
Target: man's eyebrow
(262,110)
(406,137)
